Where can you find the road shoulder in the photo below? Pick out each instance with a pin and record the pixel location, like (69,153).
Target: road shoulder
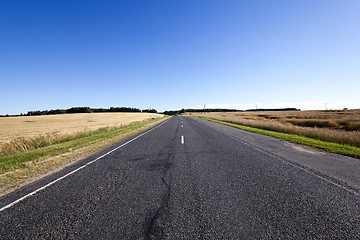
(338,167)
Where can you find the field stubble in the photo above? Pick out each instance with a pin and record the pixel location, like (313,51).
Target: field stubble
(338,126)
(21,134)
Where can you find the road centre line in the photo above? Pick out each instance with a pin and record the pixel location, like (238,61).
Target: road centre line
(298,167)
(182,140)
(77,169)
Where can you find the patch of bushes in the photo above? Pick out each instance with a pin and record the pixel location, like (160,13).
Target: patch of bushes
(84,110)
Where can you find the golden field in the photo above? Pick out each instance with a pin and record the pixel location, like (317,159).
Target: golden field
(340,126)
(54,127)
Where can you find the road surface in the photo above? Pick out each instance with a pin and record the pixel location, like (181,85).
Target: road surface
(192,179)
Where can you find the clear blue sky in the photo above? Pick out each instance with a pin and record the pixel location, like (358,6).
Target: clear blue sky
(179,54)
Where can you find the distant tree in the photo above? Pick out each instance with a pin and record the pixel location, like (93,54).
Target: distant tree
(212,110)
(124,109)
(170,113)
(150,110)
(79,110)
(83,110)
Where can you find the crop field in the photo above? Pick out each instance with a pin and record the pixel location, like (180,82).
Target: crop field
(339,126)
(26,131)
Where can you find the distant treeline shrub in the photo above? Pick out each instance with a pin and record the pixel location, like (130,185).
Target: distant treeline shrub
(171,112)
(175,112)
(207,110)
(85,110)
(149,111)
(211,110)
(272,109)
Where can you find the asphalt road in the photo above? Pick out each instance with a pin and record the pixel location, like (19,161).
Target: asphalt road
(192,179)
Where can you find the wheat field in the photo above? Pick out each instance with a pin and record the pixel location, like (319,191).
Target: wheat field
(49,128)
(340,126)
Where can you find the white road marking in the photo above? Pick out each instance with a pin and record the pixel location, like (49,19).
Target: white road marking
(182,126)
(182,140)
(74,171)
(298,167)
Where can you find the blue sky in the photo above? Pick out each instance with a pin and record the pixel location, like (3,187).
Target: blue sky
(179,54)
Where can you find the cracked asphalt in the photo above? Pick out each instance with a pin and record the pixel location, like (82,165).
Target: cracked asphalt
(219,183)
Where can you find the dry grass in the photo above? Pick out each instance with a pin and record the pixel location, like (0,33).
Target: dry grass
(25,133)
(333,126)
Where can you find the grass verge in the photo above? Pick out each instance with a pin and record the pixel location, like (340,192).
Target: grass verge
(24,167)
(310,142)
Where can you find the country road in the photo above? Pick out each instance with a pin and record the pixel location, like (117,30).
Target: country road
(192,179)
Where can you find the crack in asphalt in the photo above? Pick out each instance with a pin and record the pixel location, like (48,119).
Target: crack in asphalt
(154,230)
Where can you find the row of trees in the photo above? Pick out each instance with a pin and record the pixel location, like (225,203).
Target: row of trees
(175,112)
(88,110)
(272,109)
(129,109)
(151,110)
(211,110)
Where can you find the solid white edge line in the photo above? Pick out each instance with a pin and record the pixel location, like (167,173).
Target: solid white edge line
(301,168)
(74,171)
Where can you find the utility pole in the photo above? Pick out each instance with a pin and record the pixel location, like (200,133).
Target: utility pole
(325,106)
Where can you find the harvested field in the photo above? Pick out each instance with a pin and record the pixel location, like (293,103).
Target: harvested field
(25,131)
(339,126)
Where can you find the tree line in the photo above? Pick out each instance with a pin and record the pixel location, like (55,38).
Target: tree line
(176,112)
(129,109)
(88,110)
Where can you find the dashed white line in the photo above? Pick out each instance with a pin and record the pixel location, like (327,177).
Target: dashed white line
(74,171)
(182,140)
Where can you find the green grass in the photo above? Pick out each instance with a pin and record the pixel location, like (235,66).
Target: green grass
(310,142)
(19,160)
